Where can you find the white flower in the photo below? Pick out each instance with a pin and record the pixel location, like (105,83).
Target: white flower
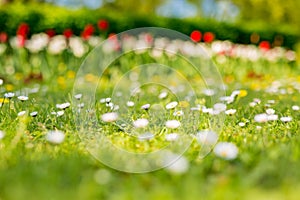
(9,95)
(242,124)
(55,137)
(172,136)
(63,105)
(130,103)
(176,164)
(23,98)
(270,111)
(1,82)
(60,113)
(146,136)
(296,108)
(2,134)
(178,113)
(258,127)
(78,96)
(172,124)
(207,110)
(140,123)
(33,114)
(256,100)
(261,118)
(271,101)
(21,113)
(208,92)
(272,117)
(171,105)
(109,117)
(108,99)
(207,137)
(219,107)
(252,104)
(230,111)
(286,119)
(102,100)
(163,95)
(145,107)
(81,105)
(226,150)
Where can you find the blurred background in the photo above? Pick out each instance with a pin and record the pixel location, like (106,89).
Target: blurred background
(249,21)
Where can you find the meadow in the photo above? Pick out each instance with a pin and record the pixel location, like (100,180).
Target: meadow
(239,128)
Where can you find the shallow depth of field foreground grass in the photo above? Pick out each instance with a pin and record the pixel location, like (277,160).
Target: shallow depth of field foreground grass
(262,121)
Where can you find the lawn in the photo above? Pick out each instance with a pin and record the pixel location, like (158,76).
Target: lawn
(222,118)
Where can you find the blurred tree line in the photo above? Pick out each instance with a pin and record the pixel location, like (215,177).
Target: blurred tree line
(270,11)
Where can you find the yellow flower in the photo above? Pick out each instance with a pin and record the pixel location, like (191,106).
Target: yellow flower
(183,104)
(70,74)
(4,100)
(9,87)
(243,93)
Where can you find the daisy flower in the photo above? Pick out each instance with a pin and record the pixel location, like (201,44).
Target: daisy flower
(226,150)
(261,118)
(21,113)
(270,111)
(146,136)
(176,164)
(207,137)
(33,114)
(173,124)
(178,113)
(9,95)
(78,96)
(23,98)
(63,106)
(286,119)
(163,95)
(55,137)
(130,103)
(109,117)
(230,111)
(171,105)
(220,107)
(145,107)
(296,108)
(140,123)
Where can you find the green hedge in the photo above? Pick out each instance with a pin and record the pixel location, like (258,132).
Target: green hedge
(41,17)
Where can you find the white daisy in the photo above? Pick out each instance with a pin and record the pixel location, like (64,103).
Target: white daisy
(33,114)
(63,105)
(226,150)
(171,105)
(55,137)
(60,113)
(9,95)
(145,107)
(261,118)
(1,82)
(23,98)
(207,137)
(242,124)
(102,100)
(140,123)
(78,96)
(296,108)
(21,113)
(109,117)
(178,113)
(130,103)
(272,117)
(230,111)
(252,104)
(176,164)
(172,124)
(286,119)
(270,111)
(163,95)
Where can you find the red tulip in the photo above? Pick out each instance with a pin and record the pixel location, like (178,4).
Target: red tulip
(103,24)
(3,37)
(50,33)
(208,37)
(196,36)
(23,30)
(264,45)
(68,33)
(88,31)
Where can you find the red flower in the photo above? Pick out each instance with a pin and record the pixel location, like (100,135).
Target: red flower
(88,31)
(208,37)
(23,30)
(3,37)
(196,36)
(50,33)
(68,33)
(264,45)
(103,24)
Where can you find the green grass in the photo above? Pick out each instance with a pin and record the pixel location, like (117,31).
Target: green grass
(267,165)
